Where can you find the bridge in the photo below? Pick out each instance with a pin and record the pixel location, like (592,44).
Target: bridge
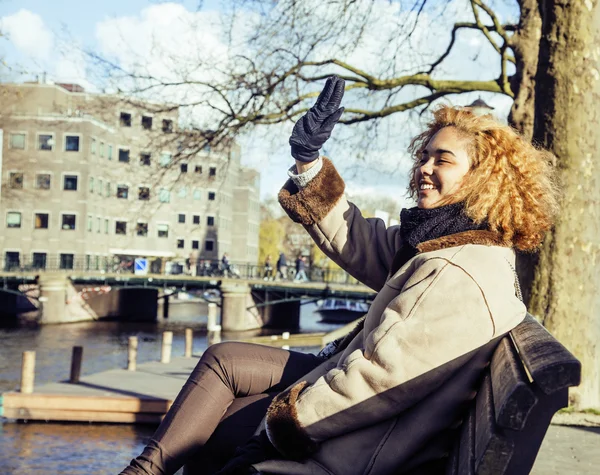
(247,302)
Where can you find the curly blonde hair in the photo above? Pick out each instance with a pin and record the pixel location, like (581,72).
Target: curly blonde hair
(511,184)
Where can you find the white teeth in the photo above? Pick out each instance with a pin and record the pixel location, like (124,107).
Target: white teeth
(425,186)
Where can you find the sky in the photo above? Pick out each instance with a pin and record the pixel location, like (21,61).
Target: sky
(47,36)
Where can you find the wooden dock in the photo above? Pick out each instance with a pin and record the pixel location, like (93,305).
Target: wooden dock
(142,395)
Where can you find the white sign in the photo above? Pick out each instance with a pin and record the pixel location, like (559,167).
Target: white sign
(140,266)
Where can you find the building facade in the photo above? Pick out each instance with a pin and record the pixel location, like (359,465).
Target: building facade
(92,181)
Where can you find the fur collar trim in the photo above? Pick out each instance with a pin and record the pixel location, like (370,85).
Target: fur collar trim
(484,237)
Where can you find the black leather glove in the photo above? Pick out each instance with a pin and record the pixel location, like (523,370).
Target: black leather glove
(257,449)
(314,128)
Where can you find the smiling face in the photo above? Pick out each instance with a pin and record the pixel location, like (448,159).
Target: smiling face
(442,166)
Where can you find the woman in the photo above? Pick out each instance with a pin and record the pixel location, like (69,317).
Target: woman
(386,397)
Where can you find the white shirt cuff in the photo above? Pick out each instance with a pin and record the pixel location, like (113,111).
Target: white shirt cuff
(302,179)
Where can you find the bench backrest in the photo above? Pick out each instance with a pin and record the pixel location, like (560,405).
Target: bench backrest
(526,382)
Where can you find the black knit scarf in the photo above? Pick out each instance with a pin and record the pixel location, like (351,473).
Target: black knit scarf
(418,225)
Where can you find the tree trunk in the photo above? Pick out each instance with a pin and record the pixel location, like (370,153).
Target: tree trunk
(566,288)
(526,45)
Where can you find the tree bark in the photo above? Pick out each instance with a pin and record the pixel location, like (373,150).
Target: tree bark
(566,288)
(525,44)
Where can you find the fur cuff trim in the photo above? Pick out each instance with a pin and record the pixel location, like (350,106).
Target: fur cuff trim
(313,202)
(283,427)
(487,238)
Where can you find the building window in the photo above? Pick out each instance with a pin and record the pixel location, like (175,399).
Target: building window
(210,221)
(146,122)
(41,221)
(98,224)
(66,261)
(72,143)
(196,219)
(143,193)
(13,219)
(209,245)
(198,169)
(122,191)
(197,194)
(16,180)
(195,244)
(45,142)
(125,119)
(211,196)
(91,184)
(124,155)
(70,183)
(145,159)
(212,171)
(165,159)
(12,259)
(181,218)
(167,125)
(39,260)
(93,147)
(163,230)
(105,225)
(180,244)
(121,227)
(182,192)
(109,152)
(142,229)
(90,223)
(107,189)
(17,141)
(101,149)
(184,167)
(164,195)
(100,188)
(68,222)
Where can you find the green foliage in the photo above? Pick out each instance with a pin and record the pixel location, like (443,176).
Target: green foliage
(270,238)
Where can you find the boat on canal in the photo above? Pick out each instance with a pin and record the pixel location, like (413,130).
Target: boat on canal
(338,310)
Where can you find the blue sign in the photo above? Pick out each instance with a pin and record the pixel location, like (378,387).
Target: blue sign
(140,266)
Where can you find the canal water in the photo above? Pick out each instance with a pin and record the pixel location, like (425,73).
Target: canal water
(90,449)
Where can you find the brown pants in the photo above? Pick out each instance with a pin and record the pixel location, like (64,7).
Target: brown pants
(220,407)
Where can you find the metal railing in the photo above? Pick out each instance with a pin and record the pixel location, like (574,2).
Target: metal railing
(203,268)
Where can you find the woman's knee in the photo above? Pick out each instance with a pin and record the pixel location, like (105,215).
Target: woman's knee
(220,355)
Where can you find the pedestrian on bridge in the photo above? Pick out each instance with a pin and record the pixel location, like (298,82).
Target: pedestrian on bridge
(268,268)
(301,269)
(282,267)
(384,398)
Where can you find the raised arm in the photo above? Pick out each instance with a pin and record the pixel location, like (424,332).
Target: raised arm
(315,198)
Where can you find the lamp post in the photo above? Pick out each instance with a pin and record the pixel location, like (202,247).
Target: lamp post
(479,107)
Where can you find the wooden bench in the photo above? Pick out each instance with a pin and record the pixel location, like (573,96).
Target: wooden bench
(526,382)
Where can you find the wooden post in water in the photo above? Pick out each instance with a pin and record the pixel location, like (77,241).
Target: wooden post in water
(167,344)
(27,371)
(76,359)
(212,315)
(166,306)
(213,330)
(132,353)
(189,342)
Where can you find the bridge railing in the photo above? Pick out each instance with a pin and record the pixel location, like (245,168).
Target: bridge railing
(203,268)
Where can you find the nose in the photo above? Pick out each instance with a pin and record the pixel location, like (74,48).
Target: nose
(426,168)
